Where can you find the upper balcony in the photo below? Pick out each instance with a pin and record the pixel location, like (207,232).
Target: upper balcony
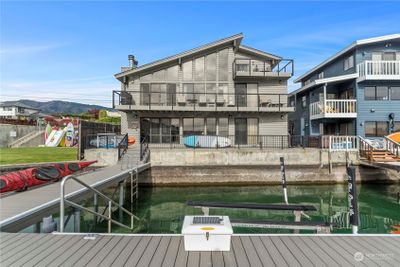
(378,70)
(221,102)
(333,108)
(256,68)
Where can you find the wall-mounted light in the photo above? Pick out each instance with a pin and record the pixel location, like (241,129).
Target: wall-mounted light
(282,117)
(372,110)
(361,124)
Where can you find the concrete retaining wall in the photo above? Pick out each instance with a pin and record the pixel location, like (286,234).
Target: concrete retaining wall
(228,157)
(104,157)
(263,175)
(20,130)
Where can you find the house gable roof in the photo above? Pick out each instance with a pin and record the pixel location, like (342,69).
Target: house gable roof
(237,38)
(347,49)
(16,104)
(259,53)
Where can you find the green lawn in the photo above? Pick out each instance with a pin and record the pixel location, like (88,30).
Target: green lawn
(36,154)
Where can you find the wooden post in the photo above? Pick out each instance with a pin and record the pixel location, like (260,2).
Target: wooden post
(352,196)
(283,177)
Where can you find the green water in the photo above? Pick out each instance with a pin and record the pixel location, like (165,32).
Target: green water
(162,209)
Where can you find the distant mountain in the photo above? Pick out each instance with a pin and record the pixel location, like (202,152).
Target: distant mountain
(60,107)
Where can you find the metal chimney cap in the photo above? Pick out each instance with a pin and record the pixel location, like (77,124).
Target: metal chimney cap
(131,57)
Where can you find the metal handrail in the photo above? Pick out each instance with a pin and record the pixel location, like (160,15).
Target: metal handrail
(110,203)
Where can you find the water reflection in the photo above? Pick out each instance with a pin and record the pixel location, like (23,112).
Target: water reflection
(163,208)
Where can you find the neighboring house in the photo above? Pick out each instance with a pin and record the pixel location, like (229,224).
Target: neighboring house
(221,88)
(354,92)
(17,111)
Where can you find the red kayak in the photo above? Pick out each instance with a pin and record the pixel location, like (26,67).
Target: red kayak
(21,180)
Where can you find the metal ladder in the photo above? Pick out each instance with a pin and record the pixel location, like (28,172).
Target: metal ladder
(64,201)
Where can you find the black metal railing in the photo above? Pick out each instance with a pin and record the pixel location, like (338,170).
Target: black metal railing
(234,141)
(122,146)
(144,148)
(258,68)
(200,101)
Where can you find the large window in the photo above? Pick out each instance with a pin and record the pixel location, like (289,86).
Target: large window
(223,65)
(160,130)
(223,126)
(188,90)
(211,67)
(187,69)
(395,93)
(211,126)
(211,90)
(376,128)
(172,73)
(199,69)
(376,93)
(144,94)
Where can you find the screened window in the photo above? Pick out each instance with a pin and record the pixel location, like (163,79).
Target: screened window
(155,95)
(144,93)
(211,90)
(188,89)
(395,93)
(199,69)
(211,126)
(211,67)
(198,126)
(159,75)
(172,73)
(187,126)
(223,128)
(199,90)
(187,69)
(223,65)
(147,77)
(155,131)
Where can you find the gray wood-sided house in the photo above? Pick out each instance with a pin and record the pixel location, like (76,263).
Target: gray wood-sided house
(222,88)
(354,92)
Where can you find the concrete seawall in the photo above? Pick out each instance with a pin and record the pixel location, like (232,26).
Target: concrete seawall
(228,157)
(245,166)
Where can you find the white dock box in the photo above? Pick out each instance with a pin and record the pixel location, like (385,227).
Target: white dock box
(207,233)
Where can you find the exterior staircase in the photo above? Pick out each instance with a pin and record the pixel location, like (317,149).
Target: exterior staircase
(389,153)
(383,156)
(32,139)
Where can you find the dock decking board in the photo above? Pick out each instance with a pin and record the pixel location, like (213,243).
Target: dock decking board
(164,250)
(23,209)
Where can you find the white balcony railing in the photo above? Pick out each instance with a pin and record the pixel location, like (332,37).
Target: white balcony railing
(340,143)
(334,108)
(379,70)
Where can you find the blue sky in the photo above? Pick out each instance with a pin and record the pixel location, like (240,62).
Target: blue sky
(71,50)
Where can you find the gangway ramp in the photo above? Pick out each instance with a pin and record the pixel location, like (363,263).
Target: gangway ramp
(24,209)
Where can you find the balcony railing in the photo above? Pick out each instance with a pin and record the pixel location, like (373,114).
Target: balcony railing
(334,108)
(379,70)
(257,68)
(136,100)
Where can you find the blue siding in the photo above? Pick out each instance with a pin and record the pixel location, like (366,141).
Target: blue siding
(382,108)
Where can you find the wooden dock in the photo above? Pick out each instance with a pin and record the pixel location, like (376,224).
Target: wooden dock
(168,250)
(23,209)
